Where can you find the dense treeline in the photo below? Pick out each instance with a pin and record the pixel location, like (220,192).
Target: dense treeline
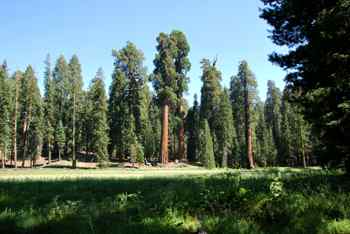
(230,127)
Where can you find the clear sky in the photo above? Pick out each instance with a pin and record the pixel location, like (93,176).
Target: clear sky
(230,30)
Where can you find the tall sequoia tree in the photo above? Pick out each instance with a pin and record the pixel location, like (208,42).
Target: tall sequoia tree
(165,85)
(318,35)
(17,77)
(249,85)
(182,66)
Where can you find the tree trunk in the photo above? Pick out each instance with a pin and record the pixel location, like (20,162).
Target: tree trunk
(2,155)
(248,129)
(74,161)
(181,146)
(24,144)
(250,148)
(49,151)
(164,153)
(14,130)
(59,154)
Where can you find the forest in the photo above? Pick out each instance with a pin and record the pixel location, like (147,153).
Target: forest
(227,163)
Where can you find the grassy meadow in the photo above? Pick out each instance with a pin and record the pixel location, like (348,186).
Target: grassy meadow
(183,200)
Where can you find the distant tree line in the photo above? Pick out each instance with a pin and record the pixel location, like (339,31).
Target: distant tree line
(229,127)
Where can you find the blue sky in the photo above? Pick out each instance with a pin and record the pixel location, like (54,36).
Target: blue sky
(230,30)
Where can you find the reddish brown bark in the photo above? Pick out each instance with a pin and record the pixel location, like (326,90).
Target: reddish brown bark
(181,146)
(248,129)
(164,153)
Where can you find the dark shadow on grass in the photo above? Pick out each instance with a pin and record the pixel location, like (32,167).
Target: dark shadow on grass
(132,205)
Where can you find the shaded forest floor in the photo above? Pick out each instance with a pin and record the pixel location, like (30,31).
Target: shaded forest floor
(163,200)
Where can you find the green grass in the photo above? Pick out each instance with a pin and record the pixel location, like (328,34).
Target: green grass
(183,200)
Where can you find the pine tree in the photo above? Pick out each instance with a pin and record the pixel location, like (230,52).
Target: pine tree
(62,101)
(17,77)
(99,134)
(31,117)
(5,130)
(273,114)
(129,94)
(225,130)
(317,35)
(210,100)
(75,98)
(206,150)
(60,138)
(192,129)
(49,105)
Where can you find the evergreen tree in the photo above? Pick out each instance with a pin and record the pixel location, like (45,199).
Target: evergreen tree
(17,77)
(206,150)
(49,111)
(210,100)
(60,138)
(129,94)
(75,98)
(5,129)
(244,96)
(225,130)
(31,117)
(62,101)
(237,102)
(99,134)
(273,114)
(192,129)
(165,85)
(182,66)
(317,34)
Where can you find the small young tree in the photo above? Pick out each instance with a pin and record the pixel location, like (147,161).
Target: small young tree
(60,139)
(206,150)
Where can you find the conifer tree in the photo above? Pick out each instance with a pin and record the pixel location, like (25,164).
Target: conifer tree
(129,94)
(206,150)
(17,77)
(192,129)
(62,91)
(210,100)
(99,134)
(165,85)
(75,98)
(60,138)
(225,130)
(247,78)
(5,130)
(49,105)
(182,66)
(273,113)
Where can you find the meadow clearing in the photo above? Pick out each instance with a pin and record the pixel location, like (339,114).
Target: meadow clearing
(176,200)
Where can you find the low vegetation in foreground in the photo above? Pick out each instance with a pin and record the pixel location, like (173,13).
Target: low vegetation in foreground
(276,200)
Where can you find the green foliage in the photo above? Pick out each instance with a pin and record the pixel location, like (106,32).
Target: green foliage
(98,118)
(206,151)
(5,111)
(318,63)
(192,127)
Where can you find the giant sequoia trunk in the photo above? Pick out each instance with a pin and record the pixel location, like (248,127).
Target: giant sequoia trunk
(74,160)
(248,129)
(164,154)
